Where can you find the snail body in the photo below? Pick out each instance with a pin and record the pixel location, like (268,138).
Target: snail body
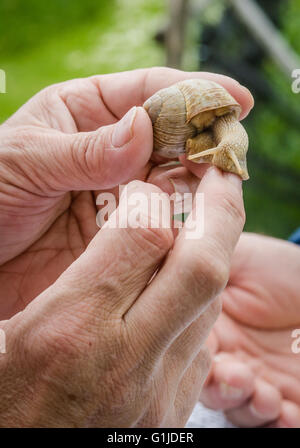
(200,118)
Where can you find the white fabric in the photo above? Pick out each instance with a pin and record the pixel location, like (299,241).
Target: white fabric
(207,418)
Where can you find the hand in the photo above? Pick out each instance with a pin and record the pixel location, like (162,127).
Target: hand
(256,376)
(104,345)
(56,154)
(99,345)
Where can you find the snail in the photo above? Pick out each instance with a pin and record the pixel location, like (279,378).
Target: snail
(200,118)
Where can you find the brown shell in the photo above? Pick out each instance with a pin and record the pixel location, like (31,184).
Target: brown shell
(172,109)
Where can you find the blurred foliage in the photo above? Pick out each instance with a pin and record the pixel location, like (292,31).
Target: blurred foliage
(27,24)
(273,195)
(47,42)
(283,139)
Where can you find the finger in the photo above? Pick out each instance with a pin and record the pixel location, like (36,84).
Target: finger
(86,104)
(174,179)
(231,383)
(289,416)
(257,260)
(197,269)
(263,407)
(89,160)
(118,263)
(188,390)
(181,185)
(178,366)
(124,90)
(170,179)
(197,169)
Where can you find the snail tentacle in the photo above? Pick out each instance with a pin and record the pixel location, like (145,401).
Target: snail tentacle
(231,144)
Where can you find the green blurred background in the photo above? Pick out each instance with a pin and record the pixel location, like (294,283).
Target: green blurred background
(42,43)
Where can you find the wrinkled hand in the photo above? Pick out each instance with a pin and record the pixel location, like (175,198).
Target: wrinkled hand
(256,374)
(56,154)
(104,347)
(93,343)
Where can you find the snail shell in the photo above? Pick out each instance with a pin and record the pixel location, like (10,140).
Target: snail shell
(199,118)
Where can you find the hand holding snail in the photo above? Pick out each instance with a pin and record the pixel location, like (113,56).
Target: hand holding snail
(200,118)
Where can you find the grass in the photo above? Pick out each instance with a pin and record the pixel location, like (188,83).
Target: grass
(120,39)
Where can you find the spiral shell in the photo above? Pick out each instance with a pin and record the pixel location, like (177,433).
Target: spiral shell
(196,117)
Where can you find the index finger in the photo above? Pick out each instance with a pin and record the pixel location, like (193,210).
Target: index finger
(121,91)
(86,104)
(197,269)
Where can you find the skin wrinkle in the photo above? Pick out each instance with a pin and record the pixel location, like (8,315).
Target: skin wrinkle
(145,84)
(15,286)
(223,345)
(57,252)
(93,146)
(256,351)
(249,290)
(18,186)
(45,228)
(20,296)
(270,350)
(81,222)
(58,95)
(37,191)
(65,102)
(52,119)
(97,83)
(70,234)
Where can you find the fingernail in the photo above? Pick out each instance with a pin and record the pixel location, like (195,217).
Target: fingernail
(229,392)
(246,90)
(123,130)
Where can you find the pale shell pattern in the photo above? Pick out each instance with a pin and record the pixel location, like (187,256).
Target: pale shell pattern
(200,118)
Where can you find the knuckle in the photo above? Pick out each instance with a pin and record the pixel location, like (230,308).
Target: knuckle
(82,151)
(61,341)
(48,96)
(155,242)
(22,139)
(60,345)
(208,273)
(232,205)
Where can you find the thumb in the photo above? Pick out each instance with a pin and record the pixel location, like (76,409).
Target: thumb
(100,159)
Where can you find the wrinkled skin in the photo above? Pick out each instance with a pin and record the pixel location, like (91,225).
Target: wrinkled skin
(89,341)
(253,337)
